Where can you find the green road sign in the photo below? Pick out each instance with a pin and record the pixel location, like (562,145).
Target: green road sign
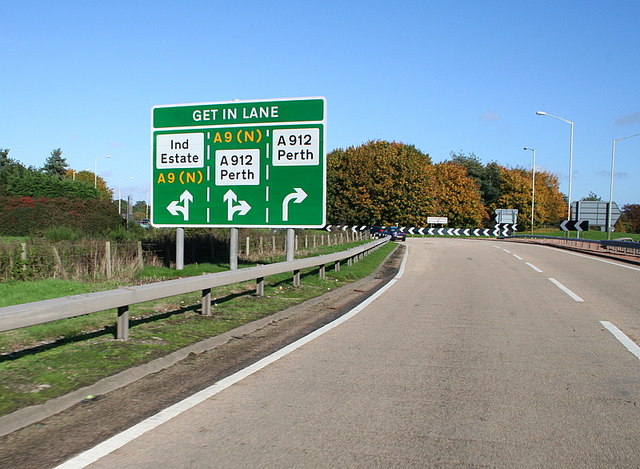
(239,164)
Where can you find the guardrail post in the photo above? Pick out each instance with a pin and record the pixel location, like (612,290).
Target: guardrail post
(260,286)
(336,266)
(350,261)
(296,278)
(206,302)
(122,326)
(179,248)
(233,249)
(322,272)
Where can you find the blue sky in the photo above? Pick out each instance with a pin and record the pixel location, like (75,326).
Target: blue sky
(444,76)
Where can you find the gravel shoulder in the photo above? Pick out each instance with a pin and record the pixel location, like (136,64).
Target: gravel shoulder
(47,435)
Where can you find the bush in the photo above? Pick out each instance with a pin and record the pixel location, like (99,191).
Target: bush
(25,216)
(62,233)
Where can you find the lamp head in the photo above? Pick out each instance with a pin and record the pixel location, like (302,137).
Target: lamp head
(541,113)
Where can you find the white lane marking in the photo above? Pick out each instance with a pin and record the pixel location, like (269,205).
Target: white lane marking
(629,344)
(117,441)
(566,290)
(593,258)
(533,267)
(506,250)
(517,257)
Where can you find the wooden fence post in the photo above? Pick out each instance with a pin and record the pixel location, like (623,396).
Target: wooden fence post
(107,259)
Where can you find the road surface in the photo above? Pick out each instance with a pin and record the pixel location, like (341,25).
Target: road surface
(483,354)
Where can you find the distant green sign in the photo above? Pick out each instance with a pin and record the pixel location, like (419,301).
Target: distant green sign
(239,164)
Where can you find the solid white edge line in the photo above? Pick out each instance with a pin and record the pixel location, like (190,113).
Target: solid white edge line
(566,290)
(117,441)
(629,344)
(593,258)
(533,267)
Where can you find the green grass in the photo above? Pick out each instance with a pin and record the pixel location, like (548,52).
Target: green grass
(594,235)
(79,351)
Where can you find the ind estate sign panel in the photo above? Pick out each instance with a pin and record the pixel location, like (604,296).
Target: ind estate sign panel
(239,164)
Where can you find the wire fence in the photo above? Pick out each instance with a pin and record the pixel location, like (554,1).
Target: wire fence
(95,259)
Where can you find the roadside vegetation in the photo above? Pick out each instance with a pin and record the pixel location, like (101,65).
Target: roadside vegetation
(45,361)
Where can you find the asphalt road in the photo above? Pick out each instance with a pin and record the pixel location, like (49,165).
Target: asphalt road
(474,358)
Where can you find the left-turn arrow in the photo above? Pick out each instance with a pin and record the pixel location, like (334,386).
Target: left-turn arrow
(174,207)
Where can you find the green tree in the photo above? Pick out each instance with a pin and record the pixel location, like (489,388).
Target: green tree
(592,196)
(55,165)
(487,176)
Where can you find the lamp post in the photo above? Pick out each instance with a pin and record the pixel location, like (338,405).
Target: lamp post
(613,158)
(120,195)
(542,113)
(95,171)
(533,185)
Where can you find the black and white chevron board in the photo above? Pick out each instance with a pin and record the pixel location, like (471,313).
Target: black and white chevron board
(500,229)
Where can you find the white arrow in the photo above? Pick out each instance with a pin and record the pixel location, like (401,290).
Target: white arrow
(486,232)
(421,231)
(297,196)
(363,227)
(430,231)
(466,232)
(354,229)
(328,228)
(344,228)
(174,207)
(456,232)
(440,231)
(411,230)
(230,197)
(476,232)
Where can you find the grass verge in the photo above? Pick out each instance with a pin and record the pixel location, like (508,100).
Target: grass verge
(71,353)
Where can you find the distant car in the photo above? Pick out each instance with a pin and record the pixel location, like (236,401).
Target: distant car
(376,231)
(395,233)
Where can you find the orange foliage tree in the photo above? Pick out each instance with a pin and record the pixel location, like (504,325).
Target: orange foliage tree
(380,182)
(458,196)
(515,192)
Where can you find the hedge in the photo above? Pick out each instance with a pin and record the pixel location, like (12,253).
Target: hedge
(24,216)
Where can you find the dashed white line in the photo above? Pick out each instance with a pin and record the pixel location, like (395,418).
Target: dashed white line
(629,344)
(566,290)
(533,267)
(517,257)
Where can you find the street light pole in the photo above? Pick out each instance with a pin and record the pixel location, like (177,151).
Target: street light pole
(95,171)
(533,185)
(613,157)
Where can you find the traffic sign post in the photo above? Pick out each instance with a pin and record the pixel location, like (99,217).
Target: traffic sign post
(240,164)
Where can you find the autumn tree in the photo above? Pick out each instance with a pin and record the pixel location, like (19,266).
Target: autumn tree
(630,217)
(88,177)
(515,189)
(379,182)
(457,196)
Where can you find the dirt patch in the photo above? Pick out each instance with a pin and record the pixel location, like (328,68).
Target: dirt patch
(96,418)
